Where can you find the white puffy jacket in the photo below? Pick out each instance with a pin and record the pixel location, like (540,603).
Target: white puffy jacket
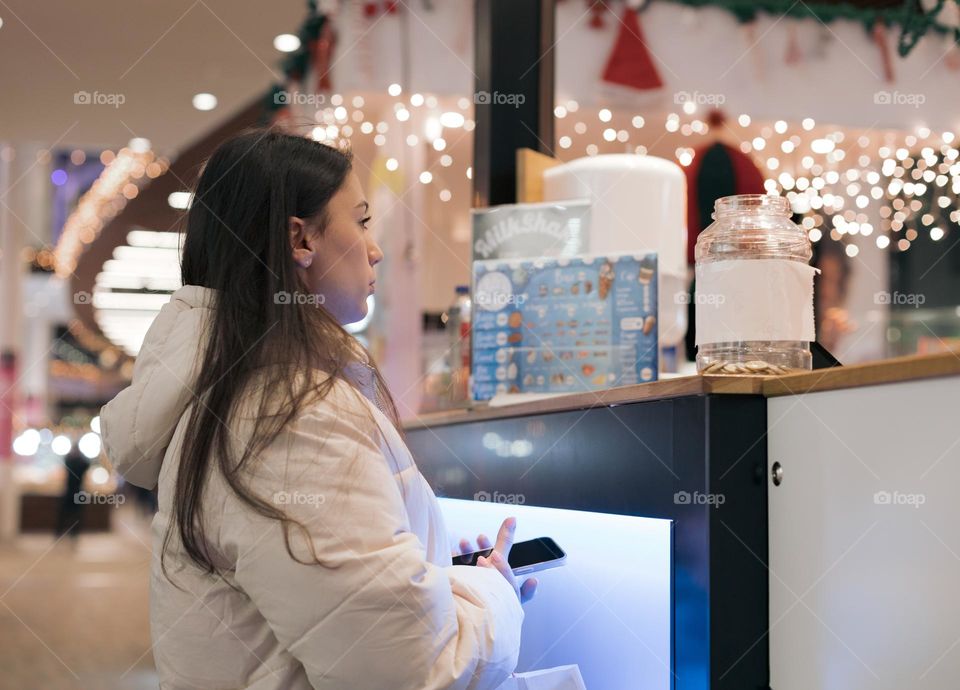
(391,614)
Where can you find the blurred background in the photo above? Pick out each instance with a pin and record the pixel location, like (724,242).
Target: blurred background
(108,109)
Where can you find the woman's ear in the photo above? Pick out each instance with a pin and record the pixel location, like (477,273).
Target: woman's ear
(301,251)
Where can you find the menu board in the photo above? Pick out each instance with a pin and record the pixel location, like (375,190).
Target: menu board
(563,325)
(519,231)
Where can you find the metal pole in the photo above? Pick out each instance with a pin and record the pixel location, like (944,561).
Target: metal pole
(11,242)
(513,101)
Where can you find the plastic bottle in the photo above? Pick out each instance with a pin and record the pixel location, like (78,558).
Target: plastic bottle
(458,325)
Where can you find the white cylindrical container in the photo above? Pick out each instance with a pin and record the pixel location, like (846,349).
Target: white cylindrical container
(638,203)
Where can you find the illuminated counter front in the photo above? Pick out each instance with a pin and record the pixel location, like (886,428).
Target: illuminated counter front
(724,532)
(662,514)
(625,609)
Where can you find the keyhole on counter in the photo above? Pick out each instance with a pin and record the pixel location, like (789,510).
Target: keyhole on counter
(776,471)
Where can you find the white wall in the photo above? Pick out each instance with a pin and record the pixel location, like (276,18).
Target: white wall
(702,50)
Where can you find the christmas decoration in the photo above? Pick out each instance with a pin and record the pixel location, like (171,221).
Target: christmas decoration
(822,45)
(793,54)
(756,56)
(880,38)
(949,16)
(630,63)
(914,17)
(717,170)
(322,50)
(597,10)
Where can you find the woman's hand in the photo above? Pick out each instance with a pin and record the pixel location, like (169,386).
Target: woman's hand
(498,558)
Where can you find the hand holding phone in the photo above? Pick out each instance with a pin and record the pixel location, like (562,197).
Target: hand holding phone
(497,557)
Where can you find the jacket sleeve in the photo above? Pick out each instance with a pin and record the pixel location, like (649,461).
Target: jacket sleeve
(374,613)
(138,424)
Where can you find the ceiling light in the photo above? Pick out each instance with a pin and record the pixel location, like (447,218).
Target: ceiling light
(204,101)
(286,43)
(180,200)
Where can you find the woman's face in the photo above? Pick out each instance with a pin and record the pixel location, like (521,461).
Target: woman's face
(337,264)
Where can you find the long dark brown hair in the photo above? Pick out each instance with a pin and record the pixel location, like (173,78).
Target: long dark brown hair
(237,243)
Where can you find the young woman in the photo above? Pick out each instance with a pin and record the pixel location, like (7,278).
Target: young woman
(296,543)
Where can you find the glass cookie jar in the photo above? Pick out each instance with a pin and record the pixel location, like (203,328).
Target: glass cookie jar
(754,289)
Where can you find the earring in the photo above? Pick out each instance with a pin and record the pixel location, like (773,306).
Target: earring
(307,261)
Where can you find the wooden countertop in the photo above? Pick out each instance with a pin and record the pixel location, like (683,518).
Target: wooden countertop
(874,373)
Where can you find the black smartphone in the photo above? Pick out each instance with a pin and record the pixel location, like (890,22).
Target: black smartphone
(525,556)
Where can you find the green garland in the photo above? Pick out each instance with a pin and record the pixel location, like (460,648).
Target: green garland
(916,23)
(913,21)
(296,64)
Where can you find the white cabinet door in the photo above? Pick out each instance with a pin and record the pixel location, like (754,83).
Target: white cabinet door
(865,538)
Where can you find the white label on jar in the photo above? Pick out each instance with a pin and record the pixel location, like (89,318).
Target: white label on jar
(754,299)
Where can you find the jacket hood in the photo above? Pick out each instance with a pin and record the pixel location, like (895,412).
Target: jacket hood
(138,424)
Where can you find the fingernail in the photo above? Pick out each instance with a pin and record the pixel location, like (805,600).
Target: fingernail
(513,524)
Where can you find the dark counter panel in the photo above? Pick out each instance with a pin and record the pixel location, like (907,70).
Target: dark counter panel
(698,461)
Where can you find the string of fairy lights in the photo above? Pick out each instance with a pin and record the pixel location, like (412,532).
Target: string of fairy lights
(849,185)
(343,117)
(845,184)
(125,172)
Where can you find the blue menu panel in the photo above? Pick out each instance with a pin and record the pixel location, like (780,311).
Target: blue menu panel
(562,325)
